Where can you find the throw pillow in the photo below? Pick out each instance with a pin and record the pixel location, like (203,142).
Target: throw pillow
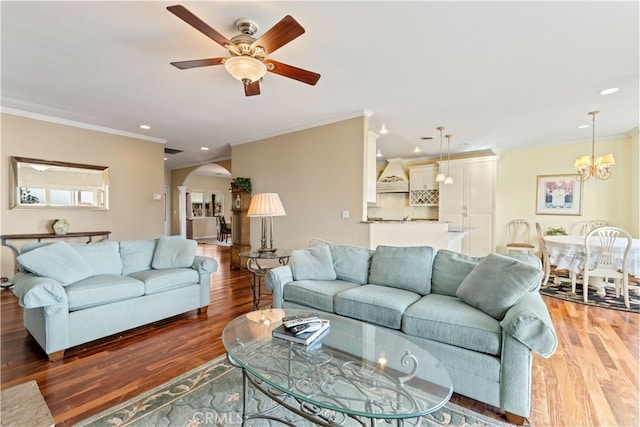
(58,261)
(449,270)
(351,263)
(312,264)
(103,257)
(407,268)
(174,252)
(497,283)
(137,255)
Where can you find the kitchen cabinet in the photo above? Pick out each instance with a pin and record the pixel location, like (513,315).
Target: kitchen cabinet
(423,188)
(470,202)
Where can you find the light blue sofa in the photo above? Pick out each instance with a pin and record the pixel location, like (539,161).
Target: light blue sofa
(73,293)
(480,317)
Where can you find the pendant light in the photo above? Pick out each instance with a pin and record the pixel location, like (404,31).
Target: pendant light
(448,179)
(441,176)
(600,167)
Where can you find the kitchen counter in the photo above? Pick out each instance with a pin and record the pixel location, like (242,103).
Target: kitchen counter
(440,235)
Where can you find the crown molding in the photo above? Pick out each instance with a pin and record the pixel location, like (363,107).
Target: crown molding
(72,123)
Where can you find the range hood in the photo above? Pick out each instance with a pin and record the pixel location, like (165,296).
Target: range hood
(393,178)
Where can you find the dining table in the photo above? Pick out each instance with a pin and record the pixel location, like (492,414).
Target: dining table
(568,252)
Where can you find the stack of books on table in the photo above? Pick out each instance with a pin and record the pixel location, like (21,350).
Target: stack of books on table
(301,329)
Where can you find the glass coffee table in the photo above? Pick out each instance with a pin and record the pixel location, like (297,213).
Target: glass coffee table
(356,373)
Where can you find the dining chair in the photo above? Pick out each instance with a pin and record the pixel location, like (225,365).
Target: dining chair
(599,223)
(225,230)
(519,230)
(601,257)
(558,275)
(580,228)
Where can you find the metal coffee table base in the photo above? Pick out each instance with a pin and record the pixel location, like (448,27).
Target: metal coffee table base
(315,414)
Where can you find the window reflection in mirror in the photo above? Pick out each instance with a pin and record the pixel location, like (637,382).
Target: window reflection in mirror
(36,183)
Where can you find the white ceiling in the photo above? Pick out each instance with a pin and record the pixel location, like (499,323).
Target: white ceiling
(498,75)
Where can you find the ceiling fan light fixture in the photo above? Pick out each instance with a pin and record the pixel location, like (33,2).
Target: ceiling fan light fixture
(245,68)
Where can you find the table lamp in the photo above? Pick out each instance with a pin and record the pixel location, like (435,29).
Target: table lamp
(266,206)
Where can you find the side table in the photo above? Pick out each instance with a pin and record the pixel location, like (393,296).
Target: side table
(258,268)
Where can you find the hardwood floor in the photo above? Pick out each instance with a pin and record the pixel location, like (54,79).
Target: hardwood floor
(592,380)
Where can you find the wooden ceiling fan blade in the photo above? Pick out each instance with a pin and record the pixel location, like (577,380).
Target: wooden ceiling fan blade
(252,88)
(194,63)
(191,19)
(279,35)
(304,76)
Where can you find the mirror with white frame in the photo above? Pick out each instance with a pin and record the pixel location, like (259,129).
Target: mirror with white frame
(36,183)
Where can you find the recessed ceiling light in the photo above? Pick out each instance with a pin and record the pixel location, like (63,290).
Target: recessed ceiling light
(609,91)
(583,126)
(165,158)
(204,148)
(145,127)
(417,149)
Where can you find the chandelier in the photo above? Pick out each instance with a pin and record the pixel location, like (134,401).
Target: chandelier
(591,166)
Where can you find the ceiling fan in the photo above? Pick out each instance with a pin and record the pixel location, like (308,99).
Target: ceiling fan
(247,62)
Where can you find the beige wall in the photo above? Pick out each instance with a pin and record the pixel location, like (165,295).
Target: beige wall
(614,200)
(136,174)
(318,173)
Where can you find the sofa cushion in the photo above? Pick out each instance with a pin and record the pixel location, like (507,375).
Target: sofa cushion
(377,304)
(164,279)
(174,252)
(103,289)
(103,257)
(314,263)
(351,263)
(451,321)
(407,268)
(318,294)
(136,255)
(58,261)
(497,283)
(449,270)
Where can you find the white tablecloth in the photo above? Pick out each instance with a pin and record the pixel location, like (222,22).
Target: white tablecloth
(568,253)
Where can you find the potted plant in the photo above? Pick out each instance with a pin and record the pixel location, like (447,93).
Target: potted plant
(241,183)
(560,231)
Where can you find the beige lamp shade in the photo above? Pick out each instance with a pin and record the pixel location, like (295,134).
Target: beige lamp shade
(606,160)
(582,162)
(266,204)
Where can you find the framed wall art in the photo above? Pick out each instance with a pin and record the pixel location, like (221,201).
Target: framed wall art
(558,195)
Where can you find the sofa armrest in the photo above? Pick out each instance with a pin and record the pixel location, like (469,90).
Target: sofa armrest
(205,264)
(530,323)
(275,280)
(36,291)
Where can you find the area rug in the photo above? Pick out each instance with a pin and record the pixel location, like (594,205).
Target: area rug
(563,291)
(23,405)
(211,395)
(214,242)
